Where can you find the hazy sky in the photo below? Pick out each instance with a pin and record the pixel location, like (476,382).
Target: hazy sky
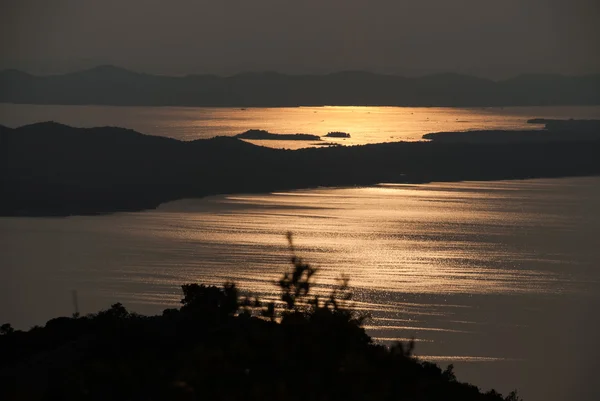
(494,38)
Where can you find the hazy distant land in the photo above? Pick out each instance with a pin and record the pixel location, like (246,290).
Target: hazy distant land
(582,126)
(53,169)
(555,131)
(108,85)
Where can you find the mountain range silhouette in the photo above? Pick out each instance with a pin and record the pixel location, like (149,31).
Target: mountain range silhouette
(109,85)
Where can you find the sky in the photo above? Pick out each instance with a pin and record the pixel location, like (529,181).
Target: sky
(487,38)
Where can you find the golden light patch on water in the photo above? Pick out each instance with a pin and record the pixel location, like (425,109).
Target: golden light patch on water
(365,124)
(400,339)
(436,238)
(415,329)
(462,358)
(389,319)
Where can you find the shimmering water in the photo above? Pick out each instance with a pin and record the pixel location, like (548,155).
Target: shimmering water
(500,278)
(365,124)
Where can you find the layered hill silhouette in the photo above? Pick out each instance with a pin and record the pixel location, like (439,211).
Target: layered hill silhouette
(53,169)
(108,85)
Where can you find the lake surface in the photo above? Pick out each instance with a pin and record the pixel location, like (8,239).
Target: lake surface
(365,124)
(500,278)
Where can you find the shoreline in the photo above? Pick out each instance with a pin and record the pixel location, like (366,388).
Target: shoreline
(49,169)
(223,195)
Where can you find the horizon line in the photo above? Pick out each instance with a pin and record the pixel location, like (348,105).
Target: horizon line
(109,67)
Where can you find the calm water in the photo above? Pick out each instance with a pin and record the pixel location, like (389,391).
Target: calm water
(365,124)
(500,278)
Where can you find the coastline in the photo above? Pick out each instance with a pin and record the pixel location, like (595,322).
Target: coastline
(120,170)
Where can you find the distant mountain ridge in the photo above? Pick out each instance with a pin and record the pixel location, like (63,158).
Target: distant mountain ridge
(109,85)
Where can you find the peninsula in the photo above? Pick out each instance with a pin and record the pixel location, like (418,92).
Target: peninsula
(49,169)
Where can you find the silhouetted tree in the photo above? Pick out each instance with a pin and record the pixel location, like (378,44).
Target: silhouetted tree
(295,284)
(513,396)
(202,300)
(6,328)
(117,311)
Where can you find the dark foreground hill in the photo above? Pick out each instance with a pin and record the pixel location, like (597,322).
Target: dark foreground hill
(107,85)
(52,169)
(222,346)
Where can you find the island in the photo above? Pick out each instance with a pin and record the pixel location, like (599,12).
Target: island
(337,134)
(554,131)
(262,134)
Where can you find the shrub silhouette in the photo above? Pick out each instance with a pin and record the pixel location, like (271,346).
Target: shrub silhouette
(223,346)
(210,301)
(6,328)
